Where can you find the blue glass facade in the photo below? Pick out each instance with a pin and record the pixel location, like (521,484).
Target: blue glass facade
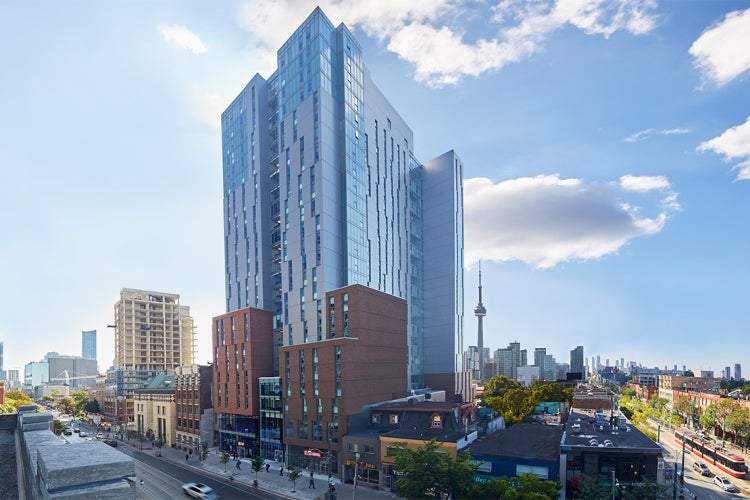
(322,190)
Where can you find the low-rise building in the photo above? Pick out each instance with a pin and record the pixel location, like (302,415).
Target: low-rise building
(193,407)
(155,410)
(519,449)
(601,444)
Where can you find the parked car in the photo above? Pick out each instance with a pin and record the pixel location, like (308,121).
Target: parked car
(68,431)
(702,468)
(199,490)
(99,435)
(111,442)
(725,484)
(83,434)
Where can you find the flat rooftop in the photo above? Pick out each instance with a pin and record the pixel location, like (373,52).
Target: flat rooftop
(582,431)
(8,471)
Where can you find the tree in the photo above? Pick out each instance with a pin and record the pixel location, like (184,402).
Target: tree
(66,405)
(14,399)
(513,405)
(80,400)
(203,451)
(738,421)
(658,403)
(142,438)
(293,476)
(158,443)
(58,427)
(715,415)
(224,459)
(425,472)
(257,463)
(551,391)
(499,384)
(628,392)
(647,489)
(590,488)
(685,407)
(92,406)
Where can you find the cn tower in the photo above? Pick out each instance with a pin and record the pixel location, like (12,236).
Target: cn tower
(480,313)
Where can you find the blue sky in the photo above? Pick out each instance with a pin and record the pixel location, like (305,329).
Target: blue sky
(606,146)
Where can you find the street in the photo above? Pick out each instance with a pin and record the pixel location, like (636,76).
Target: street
(702,487)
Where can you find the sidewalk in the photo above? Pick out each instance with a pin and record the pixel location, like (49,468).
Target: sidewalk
(271,481)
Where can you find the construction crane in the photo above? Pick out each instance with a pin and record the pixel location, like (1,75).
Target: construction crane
(65,376)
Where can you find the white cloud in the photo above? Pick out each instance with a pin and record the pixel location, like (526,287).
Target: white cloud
(545,220)
(721,52)
(650,132)
(643,183)
(429,33)
(182,38)
(734,143)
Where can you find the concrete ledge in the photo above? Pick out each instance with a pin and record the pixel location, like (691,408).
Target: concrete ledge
(120,490)
(51,467)
(80,464)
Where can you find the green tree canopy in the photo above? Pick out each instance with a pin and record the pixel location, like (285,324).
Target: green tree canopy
(514,404)
(551,391)
(499,384)
(658,403)
(716,414)
(224,459)
(66,405)
(525,487)
(425,472)
(14,399)
(628,392)
(738,421)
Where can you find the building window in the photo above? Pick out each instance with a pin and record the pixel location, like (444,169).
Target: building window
(437,422)
(393,419)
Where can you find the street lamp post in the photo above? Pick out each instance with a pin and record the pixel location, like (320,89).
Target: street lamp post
(356,463)
(682,477)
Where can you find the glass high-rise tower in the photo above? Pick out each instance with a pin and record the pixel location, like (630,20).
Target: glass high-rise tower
(322,190)
(88,344)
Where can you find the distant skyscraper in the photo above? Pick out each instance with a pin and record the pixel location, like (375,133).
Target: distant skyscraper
(88,341)
(727,373)
(480,312)
(737,372)
(539,357)
(576,361)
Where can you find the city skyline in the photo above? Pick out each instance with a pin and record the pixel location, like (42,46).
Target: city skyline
(605,163)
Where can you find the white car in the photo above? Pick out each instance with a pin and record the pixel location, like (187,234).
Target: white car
(724,483)
(199,490)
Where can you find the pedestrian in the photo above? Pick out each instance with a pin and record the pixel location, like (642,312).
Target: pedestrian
(239,462)
(281,470)
(312,481)
(268,467)
(186,457)
(331,484)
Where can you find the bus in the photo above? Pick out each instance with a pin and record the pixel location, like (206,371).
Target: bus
(733,465)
